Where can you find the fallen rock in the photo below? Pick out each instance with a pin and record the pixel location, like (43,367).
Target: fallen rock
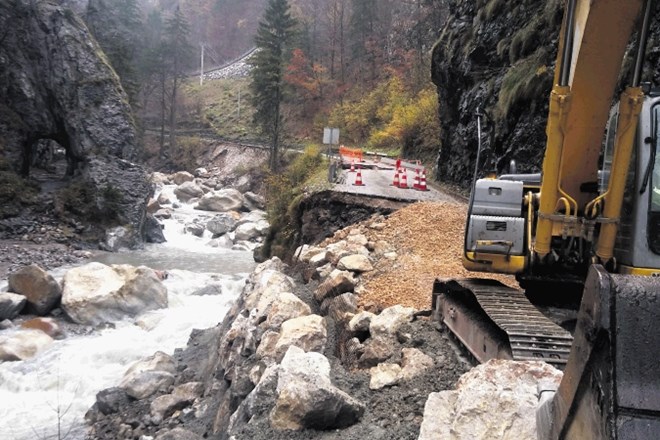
(384,375)
(222,200)
(377,350)
(181,177)
(286,306)
(355,263)
(188,190)
(148,376)
(11,305)
(182,396)
(40,289)
(96,293)
(338,282)
(495,400)
(306,397)
(109,401)
(360,322)
(247,231)
(306,332)
(23,344)
(390,319)
(414,363)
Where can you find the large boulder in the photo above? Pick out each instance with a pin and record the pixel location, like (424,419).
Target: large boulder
(43,293)
(306,332)
(338,282)
(23,344)
(390,320)
(355,263)
(221,201)
(187,191)
(306,397)
(221,224)
(181,177)
(495,400)
(11,305)
(96,293)
(247,231)
(153,230)
(148,376)
(286,306)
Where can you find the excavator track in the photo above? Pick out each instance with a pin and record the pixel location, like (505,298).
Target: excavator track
(496,321)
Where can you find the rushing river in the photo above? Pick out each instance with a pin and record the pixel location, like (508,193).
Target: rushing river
(53,390)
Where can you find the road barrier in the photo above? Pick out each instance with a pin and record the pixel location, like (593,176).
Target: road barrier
(355,153)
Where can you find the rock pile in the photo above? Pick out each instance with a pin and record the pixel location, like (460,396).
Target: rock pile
(89,295)
(230,218)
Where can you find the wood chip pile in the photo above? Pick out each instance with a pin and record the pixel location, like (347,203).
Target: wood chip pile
(428,240)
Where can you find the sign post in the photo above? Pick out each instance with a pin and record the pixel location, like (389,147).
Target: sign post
(331,137)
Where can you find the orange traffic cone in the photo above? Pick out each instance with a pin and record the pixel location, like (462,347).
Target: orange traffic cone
(422,183)
(358,178)
(396,178)
(352,166)
(404,181)
(417,180)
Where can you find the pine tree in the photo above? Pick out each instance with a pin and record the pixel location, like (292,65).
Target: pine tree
(273,41)
(179,52)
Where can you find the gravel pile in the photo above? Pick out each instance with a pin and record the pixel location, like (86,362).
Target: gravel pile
(428,240)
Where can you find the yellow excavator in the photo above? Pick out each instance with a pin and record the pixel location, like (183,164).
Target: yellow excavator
(591,219)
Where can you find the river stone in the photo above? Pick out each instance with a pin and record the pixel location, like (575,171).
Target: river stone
(153,230)
(355,263)
(109,401)
(222,200)
(182,396)
(187,191)
(164,198)
(40,289)
(224,241)
(158,178)
(47,325)
(306,332)
(338,282)
(96,293)
(247,231)
(118,238)
(11,305)
(254,201)
(221,224)
(149,375)
(384,375)
(390,320)
(163,213)
(181,177)
(286,306)
(497,399)
(306,397)
(23,344)
(195,229)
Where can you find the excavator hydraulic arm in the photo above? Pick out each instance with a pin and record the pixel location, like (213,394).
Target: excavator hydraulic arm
(611,386)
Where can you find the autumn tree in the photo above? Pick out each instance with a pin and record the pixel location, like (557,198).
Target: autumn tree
(273,41)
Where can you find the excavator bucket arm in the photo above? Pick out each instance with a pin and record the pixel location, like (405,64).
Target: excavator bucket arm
(611,383)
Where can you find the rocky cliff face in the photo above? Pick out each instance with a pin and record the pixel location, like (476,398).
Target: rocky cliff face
(499,56)
(56,85)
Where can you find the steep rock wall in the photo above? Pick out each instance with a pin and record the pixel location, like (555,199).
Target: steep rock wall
(56,84)
(499,56)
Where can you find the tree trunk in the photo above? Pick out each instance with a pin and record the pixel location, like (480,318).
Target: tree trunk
(175,85)
(162,113)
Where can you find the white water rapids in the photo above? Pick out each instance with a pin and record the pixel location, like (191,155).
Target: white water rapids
(54,390)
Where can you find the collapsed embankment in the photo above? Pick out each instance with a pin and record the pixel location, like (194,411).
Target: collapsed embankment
(310,350)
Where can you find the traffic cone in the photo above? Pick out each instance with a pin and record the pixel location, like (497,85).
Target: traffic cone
(417,180)
(404,181)
(352,166)
(422,183)
(396,178)
(358,178)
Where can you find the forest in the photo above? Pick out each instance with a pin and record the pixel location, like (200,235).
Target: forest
(360,65)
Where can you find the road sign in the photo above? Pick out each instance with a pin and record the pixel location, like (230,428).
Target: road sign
(331,136)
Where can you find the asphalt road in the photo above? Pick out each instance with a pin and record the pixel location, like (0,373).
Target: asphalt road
(377,179)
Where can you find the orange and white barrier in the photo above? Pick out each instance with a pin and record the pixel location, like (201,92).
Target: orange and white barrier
(355,153)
